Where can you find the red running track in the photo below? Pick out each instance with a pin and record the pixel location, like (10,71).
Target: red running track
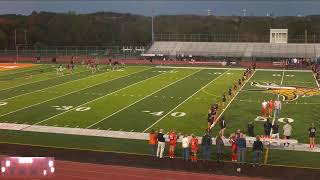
(85,171)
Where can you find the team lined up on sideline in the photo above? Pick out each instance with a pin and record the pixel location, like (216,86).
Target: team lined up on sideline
(90,64)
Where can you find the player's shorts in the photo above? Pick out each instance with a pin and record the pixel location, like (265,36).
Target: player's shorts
(287,137)
(173,143)
(312,135)
(224,100)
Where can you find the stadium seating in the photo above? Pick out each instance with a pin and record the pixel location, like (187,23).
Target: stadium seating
(225,49)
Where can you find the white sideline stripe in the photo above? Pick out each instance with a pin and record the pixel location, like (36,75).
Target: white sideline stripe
(135,135)
(232,100)
(185,100)
(186,67)
(49,86)
(39,80)
(98,98)
(139,100)
(69,93)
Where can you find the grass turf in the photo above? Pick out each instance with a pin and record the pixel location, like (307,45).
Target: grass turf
(247,105)
(140,98)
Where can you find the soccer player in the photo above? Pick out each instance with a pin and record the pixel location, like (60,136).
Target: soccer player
(233,142)
(239,82)
(267,128)
(312,135)
(222,126)
(275,130)
(230,92)
(153,141)
(235,88)
(224,99)
(270,107)
(210,119)
(264,108)
(173,142)
(277,108)
(215,112)
(287,128)
(194,148)
(60,70)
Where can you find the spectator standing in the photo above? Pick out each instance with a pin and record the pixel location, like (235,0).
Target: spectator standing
(233,142)
(220,148)
(222,126)
(242,147)
(275,130)
(194,148)
(312,135)
(264,105)
(238,133)
(206,143)
(257,151)
(250,129)
(153,141)
(267,128)
(287,129)
(173,142)
(270,107)
(185,148)
(277,108)
(161,144)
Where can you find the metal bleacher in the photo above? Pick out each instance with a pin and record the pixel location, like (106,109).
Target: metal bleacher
(226,49)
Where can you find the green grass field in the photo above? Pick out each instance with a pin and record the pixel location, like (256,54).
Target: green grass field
(140,98)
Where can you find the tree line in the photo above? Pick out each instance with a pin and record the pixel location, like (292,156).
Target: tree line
(108,28)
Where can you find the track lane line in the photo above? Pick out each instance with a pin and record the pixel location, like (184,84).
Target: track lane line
(203,87)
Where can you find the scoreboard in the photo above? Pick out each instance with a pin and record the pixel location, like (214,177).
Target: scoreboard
(27,167)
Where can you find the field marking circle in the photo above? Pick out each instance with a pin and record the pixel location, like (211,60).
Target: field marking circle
(290,120)
(178,114)
(260,119)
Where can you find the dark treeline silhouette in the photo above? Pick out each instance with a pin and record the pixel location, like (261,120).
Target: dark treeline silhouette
(107,28)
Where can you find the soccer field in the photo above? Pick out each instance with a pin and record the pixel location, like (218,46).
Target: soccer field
(140,98)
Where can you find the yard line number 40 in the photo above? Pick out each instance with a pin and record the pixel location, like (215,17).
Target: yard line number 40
(67,108)
(160,113)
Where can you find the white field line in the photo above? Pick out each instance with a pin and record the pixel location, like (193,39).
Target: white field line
(203,87)
(274,115)
(52,86)
(138,101)
(70,92)
(139,136)
(37,81)
(186,67)
(232,100)
(316,81)
(97,99)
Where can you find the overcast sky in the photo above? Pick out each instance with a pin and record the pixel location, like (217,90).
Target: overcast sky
(167,7)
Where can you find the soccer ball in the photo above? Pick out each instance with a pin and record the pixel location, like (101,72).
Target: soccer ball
(238,170)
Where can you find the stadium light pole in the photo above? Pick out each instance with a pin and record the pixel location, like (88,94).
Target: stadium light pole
(152,26)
